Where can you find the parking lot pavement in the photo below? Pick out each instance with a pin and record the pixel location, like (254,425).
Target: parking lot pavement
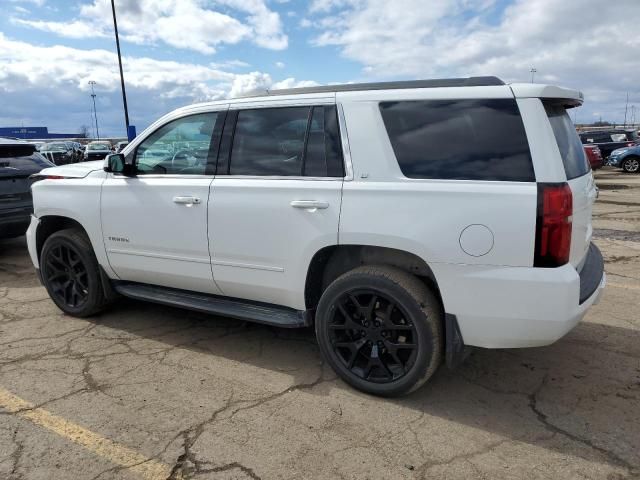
(146,391)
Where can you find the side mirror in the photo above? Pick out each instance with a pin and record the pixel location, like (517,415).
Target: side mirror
(118,163)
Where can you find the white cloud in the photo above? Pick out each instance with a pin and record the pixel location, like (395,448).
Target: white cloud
(570,43)
(48,85)
(74,29)
(280,64)
(186,24)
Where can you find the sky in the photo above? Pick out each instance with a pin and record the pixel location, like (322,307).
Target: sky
(177,52)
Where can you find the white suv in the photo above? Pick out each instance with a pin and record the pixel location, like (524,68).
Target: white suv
(406,221)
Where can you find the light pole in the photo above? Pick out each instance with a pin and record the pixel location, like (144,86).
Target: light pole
(95,112)
(124,94)
(626,108)
(533,72)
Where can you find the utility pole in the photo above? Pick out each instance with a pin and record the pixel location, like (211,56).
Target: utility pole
(626,107)
(95,112)
(124,94)
(533,73)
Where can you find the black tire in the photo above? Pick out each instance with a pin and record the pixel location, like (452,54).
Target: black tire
(71,274)
(631,165)
(400,311)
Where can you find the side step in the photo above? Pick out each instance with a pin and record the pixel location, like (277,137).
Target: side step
(227,307)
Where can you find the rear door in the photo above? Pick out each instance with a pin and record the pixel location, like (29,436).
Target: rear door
(579,177)
(275,200)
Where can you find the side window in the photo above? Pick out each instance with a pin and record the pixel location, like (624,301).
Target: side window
(269,141)
(179,147)
(470,139)
(287,141)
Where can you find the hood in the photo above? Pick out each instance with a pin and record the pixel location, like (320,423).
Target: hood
(74,170)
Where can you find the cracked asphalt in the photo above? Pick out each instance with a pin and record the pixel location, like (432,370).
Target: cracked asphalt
(145,391)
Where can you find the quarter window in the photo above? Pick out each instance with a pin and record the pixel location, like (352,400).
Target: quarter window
(179,147)
(474,139)
(571,149)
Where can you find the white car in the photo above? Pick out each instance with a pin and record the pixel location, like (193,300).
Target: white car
(405,221)
(97,150)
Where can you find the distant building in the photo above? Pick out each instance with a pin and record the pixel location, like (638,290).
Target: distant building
(35,133)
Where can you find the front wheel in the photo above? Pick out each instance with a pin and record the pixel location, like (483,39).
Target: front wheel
(631,164)
(380,329)
(71,274)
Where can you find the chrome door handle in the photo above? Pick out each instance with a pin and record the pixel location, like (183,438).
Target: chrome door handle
(310,204)
(186,200)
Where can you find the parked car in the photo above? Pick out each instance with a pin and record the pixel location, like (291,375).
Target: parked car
(97,150)
(120,146)
(610,140)
(60,153)
(38,145)
(627,158)
(594,156)
(18,161)
(399,243)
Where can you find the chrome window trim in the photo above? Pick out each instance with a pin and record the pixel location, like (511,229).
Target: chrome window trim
(279,177)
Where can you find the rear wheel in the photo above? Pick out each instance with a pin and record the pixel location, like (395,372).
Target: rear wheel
(71,274)
(380,329)
(631,164)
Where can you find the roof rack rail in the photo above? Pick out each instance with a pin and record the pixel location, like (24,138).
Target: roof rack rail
(354,87)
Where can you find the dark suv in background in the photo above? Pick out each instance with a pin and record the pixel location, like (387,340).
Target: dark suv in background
(610,140)
(18,161)
(61,153)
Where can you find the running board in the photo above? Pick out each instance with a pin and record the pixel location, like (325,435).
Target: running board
(227,307)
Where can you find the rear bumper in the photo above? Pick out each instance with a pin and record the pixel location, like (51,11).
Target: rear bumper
(14,221)
(514,307)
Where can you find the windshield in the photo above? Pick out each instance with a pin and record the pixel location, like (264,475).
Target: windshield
(98,146)
(54,147)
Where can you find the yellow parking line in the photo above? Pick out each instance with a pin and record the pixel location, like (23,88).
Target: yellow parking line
(141,466)
(619,285)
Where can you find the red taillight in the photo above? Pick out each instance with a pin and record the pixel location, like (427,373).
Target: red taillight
(553,225)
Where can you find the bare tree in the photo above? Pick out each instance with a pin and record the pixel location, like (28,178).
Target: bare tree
(83,131)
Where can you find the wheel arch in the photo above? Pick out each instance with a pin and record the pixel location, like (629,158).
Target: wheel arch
(330,262)
(50,224)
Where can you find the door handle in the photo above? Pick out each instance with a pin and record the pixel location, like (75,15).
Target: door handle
(311,205)
(186,200)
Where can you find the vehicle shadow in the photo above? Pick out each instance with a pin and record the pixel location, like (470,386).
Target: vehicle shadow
(578,397)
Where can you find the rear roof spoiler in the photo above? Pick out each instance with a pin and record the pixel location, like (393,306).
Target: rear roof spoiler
(569,98)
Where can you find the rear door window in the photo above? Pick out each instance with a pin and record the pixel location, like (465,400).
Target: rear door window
(287,141)
(470,139)
(571,149)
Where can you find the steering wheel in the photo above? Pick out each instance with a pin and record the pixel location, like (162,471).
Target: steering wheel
(179,153)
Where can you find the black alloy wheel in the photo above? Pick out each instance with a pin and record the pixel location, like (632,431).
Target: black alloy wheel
(70,272)
(67,276)
(380,329)
(373,336)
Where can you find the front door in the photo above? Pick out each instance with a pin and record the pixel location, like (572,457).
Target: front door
(155,223)
(275,201)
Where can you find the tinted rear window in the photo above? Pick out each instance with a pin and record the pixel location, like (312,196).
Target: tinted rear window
(571,149)
(471,139)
